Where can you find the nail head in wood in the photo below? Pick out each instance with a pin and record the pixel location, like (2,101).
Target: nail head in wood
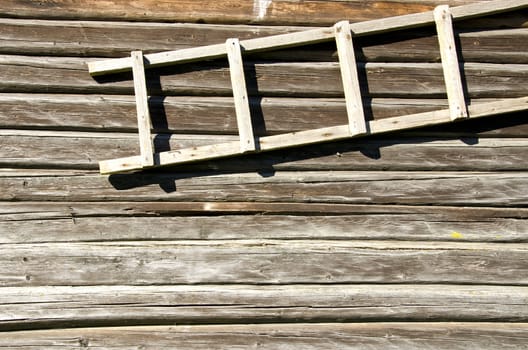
(350,79)
(143,115)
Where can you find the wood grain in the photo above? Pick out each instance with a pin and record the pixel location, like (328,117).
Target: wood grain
(225,11)
(347,187)
(146,145)
(216,115)
(422,227)
(450,62)
(53,307)
(33,210)
(240,96)
(84,38)
(443,336)
(69,75)
(307,137)
(37,222)
(313,36)
(83,150)
(349,78)
(412,336)
(261,262)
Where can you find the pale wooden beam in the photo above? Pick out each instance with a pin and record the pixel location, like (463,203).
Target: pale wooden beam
(451,68)
(349,77)
(312,36)
(333,133)
(143,116)
(238,83)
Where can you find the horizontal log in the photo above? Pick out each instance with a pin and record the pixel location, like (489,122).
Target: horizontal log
(216,115)
(83,38)
(348,336)
(260,261)
(83,150)
(53,307)
(322,79)
(91,222)
(347,187)
(27,210)
(225,11)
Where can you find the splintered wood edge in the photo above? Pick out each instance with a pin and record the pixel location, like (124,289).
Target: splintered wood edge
(312,36)
(333,133)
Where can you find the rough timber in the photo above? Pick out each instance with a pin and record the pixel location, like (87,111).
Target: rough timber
(410,240)
(342,32)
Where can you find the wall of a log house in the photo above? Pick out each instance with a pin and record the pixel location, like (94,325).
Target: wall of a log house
(408,240)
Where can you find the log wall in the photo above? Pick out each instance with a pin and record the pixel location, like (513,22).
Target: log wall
(409,240)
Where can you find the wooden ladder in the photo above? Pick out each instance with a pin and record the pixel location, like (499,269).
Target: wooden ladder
(342,33)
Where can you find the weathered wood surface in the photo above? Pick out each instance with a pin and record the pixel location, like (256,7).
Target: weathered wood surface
(37,307)
(146,144)
(408,336)
(450,62)
(110,39)
(422,226)
(34,210)
(411,226)
(308,137)
(225,11)
(259,261)
(37,222)
(275,336)
(504,189)
(313,36)
(314,79)
(216,115)
(349,78)
(240,96)
(76,150)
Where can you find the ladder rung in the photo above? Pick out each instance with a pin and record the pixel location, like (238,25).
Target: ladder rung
(143,116)
(238,82)
(349,76)
(451,68)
